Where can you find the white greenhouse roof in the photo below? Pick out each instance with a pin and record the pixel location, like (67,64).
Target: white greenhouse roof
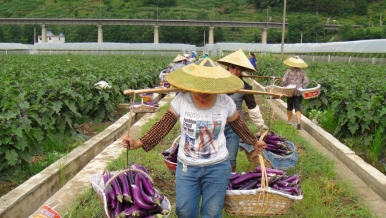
(113,46)
(362,46)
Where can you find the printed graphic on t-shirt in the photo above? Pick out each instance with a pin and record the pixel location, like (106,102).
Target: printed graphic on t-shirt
(201,137)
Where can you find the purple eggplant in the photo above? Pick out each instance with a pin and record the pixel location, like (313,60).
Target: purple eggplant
(138,200)
(125,187)
(138,167)
(146,198)
(270,170)
(251,184)
(128,212)
(109,192)
(290,179)
(235,176)
(147,185)
(117,188)
(246,177)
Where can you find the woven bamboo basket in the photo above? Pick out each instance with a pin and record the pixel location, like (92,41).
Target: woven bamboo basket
(142,108)
(310,93)
(100,188)
(171,165)
(263,201)
(253,156)
(285,92)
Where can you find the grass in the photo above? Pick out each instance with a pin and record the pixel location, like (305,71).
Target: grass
(325,193)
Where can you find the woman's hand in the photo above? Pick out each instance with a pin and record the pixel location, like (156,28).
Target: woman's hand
(130,143)
(259,146)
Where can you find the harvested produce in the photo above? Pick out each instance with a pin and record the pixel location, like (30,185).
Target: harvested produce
(132,194)
(278,180)
(277,144)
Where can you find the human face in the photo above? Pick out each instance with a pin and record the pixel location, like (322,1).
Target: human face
(235,70)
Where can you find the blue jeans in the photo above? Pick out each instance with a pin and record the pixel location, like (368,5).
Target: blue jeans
(207,183)
(233,141)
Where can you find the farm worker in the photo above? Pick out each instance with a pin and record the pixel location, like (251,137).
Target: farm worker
(295,75)
(200,178)
(179,61)
(236,63)
(253,60)
(206,55)
(193,57)
(168,70)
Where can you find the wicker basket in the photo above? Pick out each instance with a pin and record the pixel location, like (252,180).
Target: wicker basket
(142,108)
(99,187)
(281,162)
(253,156)
(311,92)
(171,165)
(285,92)
(263,201)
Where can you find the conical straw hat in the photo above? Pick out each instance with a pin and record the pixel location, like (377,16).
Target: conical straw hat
(179,58)
(295,62)
(205,77)
(238,58)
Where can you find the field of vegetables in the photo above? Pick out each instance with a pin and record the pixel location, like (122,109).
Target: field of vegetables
(44,98)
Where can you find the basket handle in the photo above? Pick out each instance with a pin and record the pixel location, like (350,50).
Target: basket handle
(124,171)
(262,137)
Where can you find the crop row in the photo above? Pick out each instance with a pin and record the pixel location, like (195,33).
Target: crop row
(45,97)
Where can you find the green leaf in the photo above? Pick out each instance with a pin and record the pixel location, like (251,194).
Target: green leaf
(12,157)
(25,155)
(56,106)
(24,105)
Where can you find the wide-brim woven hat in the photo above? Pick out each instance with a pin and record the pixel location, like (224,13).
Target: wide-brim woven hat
(179,58)
(206,77)
(295,62)
(238,58)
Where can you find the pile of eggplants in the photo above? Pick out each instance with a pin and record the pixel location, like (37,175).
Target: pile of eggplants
(278,180)
(277,144)
(131,194)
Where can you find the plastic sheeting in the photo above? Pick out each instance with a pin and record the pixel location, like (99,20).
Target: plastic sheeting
(362,46)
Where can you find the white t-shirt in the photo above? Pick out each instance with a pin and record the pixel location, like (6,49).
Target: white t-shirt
(202,139)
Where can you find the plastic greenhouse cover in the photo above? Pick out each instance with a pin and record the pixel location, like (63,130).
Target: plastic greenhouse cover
(361,46)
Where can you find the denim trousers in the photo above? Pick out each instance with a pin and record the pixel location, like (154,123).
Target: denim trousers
(233,141)
(207,184)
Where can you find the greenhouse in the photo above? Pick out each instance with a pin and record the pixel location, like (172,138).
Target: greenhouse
(369,51)
(97,48)
(366,51)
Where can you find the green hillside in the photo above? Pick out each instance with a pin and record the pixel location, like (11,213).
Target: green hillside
(303,16)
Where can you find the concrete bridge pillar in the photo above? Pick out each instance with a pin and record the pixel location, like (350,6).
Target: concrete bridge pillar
(211,35)
(44,33)
(156,37)
(100,34)
(264,36)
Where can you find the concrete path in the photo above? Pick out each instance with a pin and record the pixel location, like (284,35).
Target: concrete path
(370,197)
(96,165)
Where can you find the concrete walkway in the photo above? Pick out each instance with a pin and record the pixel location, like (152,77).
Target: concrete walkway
(368,195)
(369,182)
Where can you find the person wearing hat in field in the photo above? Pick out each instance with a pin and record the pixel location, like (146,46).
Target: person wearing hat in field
(295,75)
(201,180)
(179,62)
(193,57)
(236,63)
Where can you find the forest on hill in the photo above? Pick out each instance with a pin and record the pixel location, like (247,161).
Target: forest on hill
(305,19)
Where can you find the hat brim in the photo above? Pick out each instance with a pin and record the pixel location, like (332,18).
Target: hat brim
(299,64)
(202,79)
(238,58)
